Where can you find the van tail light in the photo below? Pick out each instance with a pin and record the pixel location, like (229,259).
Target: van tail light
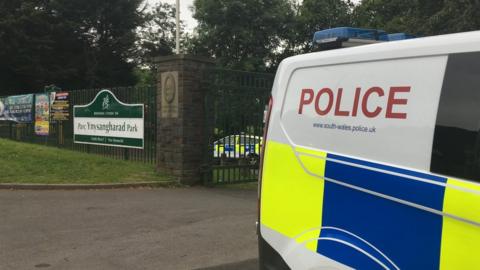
(266,120)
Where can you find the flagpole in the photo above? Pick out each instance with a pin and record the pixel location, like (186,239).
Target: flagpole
(177,38)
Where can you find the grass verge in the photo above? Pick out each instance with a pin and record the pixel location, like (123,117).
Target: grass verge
(36,164)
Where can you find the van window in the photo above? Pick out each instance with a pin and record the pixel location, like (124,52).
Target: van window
(249,140)
(456,143)
(228,140)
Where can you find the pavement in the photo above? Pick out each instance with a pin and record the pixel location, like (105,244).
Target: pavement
(164,228)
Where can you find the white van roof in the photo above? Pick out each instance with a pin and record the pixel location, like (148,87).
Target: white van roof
(426,46)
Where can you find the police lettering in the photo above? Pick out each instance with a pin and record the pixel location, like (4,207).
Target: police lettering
(360,104)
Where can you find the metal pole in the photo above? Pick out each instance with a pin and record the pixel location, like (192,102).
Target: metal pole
(177,38)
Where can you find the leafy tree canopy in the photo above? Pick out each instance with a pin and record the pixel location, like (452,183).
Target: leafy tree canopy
(420,17)
(157,35)
(256,35)
(240,34)
(70,43)
(91,43)
(316,15)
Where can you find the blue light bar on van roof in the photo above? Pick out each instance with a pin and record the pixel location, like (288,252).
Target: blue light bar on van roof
(346,33)
(399,36)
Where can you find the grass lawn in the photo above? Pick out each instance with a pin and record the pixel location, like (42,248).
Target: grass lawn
(36,164)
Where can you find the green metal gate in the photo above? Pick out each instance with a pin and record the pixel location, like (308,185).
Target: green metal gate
(61,133)
(234,107)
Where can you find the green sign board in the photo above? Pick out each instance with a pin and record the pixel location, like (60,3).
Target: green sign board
(108,121)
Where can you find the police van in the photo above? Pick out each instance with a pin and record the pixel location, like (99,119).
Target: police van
(372,156)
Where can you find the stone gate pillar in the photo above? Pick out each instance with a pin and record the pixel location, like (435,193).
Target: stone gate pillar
(180,116)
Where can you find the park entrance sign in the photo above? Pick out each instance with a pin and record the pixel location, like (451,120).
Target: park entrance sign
(108,121)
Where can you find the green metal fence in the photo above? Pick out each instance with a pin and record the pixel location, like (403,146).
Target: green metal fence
(61,133)
(234,105)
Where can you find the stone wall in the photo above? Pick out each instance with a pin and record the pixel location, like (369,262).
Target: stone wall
(181,118)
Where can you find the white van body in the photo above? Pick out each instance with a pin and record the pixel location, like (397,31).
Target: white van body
(349,176)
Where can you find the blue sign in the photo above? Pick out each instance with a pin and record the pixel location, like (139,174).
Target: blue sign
(17,108)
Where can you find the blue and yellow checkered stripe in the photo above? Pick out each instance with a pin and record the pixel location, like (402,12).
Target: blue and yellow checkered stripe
(417,220)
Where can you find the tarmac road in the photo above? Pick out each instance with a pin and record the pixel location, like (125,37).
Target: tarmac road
(183,228)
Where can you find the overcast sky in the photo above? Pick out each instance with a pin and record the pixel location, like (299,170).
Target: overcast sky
(186,13)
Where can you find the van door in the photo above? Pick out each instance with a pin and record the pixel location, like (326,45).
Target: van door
(456,153)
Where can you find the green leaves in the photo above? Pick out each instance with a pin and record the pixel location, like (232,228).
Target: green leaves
(420,17)
(316,15)
(157,35)
(255,35)
(70,43)
(91,43)
(240,34)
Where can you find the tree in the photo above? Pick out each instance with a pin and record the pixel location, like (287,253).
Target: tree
(31,40)
(240,34)
(316,15)
(257,35)
(71,43)
(157,35)
(454,16)
(108,29)
(420,17)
